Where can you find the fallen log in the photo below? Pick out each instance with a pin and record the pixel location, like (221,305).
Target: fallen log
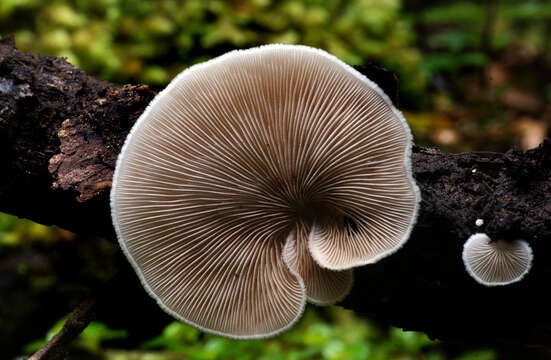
(61,131)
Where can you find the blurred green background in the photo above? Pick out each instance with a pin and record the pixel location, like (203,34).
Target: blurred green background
(473,76)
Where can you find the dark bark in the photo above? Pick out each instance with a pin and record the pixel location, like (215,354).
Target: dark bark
(60,133)
(424,286)
(61,130)
(57,348)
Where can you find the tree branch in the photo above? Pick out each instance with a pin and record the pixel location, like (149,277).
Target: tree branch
(61,130)
(58,347)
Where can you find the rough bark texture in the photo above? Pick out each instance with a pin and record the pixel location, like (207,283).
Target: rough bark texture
(424,286)
(60,133)
(61,130)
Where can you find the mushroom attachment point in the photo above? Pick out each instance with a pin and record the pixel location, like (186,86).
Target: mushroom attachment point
(256,181)
(499,262)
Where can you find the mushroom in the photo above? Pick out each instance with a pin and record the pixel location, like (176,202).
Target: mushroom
(256,181)
(499,262)
(323,286)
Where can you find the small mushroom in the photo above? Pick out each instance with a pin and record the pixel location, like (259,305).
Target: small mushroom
(256,181)
(499,262)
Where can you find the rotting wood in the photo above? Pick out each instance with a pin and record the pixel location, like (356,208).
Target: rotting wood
(61,130)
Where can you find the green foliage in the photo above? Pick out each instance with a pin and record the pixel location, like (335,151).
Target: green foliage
(527,10)
(458,42)
(453,63)
(175,336)
(97,332)
(90,339)
(151,41)
(35,345)
(455,12)
(338,335)
(7,223)
(16,232)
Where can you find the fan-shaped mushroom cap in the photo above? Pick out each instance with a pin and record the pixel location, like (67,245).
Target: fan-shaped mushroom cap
(225,174)
(496,262)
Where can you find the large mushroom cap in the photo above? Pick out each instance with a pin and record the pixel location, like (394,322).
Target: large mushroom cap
(253,177)
(494,263)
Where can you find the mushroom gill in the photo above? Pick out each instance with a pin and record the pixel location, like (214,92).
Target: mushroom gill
(256,181)
(493,263)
